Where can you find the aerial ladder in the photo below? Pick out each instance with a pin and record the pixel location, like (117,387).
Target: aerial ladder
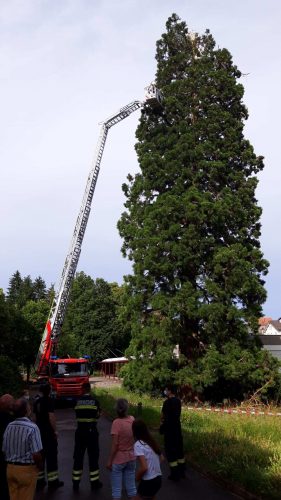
(48,346)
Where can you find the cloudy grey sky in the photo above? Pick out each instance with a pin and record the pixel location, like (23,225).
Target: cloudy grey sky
(65,66)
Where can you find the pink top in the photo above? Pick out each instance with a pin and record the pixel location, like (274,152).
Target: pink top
(122,428)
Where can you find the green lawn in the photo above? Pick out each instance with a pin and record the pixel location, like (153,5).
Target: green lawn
(244,450)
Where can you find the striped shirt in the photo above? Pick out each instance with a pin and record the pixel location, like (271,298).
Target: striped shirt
(21,440)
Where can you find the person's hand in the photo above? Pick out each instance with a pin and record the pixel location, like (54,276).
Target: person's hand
(109,465)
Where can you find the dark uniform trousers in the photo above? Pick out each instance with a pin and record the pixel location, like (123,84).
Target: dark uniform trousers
(173,443)
(86,438)
(4,490)
(50,447)
(43,406)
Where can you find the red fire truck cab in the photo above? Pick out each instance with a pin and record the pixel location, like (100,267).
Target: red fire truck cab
(67,376)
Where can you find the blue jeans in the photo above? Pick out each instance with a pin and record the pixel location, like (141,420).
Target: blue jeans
(124,472)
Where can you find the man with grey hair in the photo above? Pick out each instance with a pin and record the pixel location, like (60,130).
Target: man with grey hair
(22,448)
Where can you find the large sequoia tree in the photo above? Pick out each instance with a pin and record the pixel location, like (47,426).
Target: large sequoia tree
(192,228)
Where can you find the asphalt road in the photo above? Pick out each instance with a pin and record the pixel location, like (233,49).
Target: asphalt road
(194,487)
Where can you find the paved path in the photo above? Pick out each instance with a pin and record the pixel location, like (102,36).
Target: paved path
(194,487)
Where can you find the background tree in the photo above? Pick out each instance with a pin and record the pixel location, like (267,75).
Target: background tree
(24,314)
(14,288)
(21,290)
(91,324)
(4,324)
(19,340)
(27,290)
(122,334)
(192,224)
(34,314)
(10,378)
(39,289)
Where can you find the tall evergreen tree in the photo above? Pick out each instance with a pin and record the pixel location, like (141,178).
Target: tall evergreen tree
(15,288)
(39,289)
(27,291)
(192,223)
(20,290)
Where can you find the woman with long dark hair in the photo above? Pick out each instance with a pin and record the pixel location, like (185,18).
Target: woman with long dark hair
(148,456)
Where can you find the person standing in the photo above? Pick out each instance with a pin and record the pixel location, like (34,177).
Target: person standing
(87,411)
(22,447)
(148,456)
(6,404)
(171,428)
(122,461)
(45,419)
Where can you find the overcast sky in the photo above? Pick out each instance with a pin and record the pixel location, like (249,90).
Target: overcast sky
(65,66)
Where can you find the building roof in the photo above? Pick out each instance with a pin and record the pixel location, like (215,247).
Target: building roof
(276,324)
(264,320)
(114,360)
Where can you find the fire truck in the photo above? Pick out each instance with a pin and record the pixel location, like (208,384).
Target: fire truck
(67,375)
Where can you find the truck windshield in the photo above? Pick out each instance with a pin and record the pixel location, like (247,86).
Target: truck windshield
(69,369)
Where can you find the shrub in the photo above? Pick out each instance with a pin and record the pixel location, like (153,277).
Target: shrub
(10,377)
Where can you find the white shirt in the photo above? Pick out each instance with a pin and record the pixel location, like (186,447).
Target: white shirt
(152,460)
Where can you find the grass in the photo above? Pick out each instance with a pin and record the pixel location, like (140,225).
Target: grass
(241,449)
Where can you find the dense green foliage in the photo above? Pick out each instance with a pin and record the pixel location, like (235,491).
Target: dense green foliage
(10,378)
(23,315)
(192,228)
(92,325)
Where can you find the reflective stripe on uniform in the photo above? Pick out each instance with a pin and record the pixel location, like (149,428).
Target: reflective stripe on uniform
(87,420)
(76,474)
(86,407)
(181,460)
(173,464)
(41,475)
(52,476)
(94,475)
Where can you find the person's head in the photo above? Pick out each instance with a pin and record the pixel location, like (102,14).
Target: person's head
(86,388)
(22,408)
(122,407)
(170,390)
(141,433)
(6,403)
(45,389)
(140,430)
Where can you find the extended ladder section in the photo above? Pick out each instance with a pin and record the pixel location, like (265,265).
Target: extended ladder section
(59,305)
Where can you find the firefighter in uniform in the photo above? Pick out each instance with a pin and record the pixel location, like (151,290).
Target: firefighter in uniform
(87,411)
(171,428)
(43,409)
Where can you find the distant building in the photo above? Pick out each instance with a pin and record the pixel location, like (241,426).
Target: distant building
(110,367)
(270,335)
(263,323)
